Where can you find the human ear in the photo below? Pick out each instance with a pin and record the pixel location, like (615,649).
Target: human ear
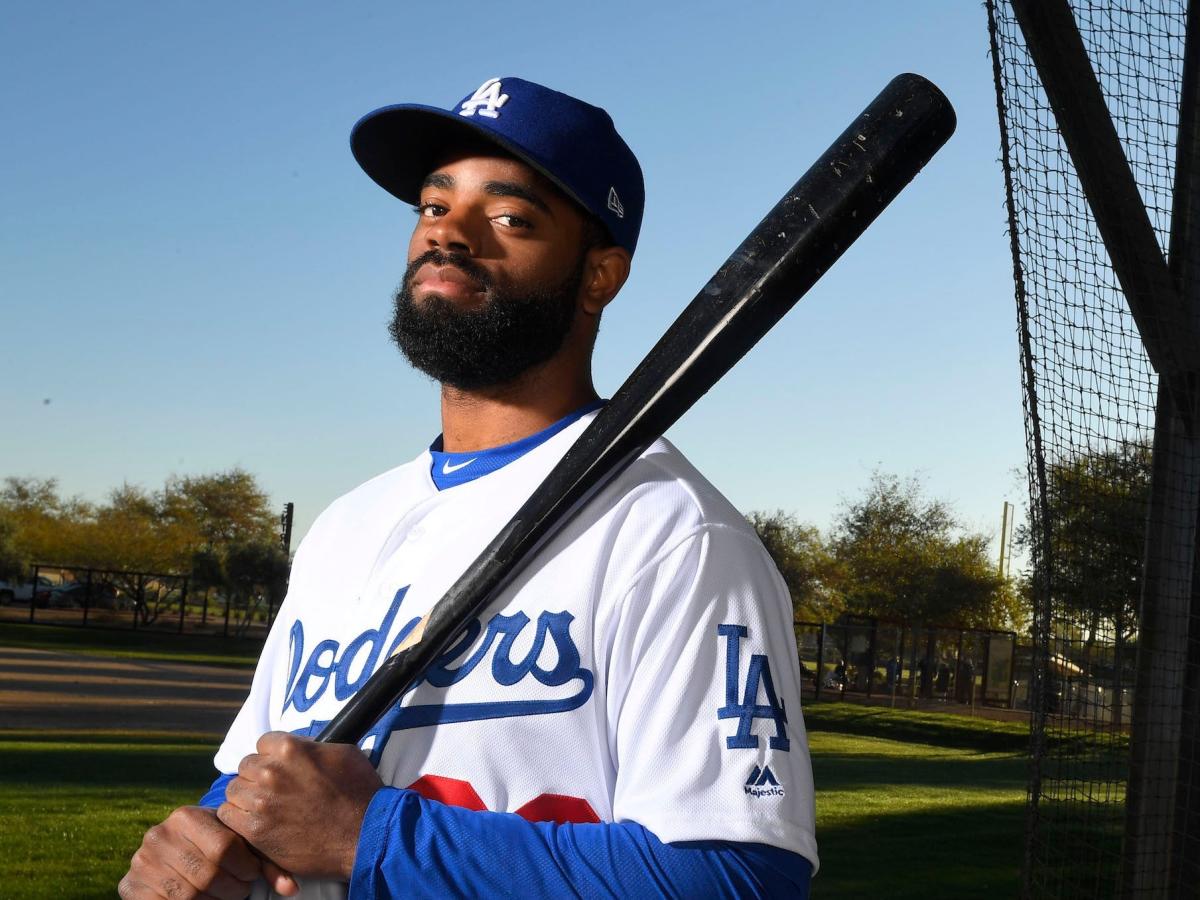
(605,271)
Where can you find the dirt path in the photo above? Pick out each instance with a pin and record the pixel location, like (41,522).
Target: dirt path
(54,691)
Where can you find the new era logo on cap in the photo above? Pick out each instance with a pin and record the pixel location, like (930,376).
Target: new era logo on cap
(614,203)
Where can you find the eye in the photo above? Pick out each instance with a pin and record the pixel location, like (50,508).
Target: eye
(510,221)
(429,210)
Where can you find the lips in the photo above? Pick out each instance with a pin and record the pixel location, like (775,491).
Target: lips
(447,281)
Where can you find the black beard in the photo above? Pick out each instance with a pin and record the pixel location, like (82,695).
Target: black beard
(489,345)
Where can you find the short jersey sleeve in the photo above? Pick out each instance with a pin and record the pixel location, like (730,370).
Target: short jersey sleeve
(254,718)
(703,697)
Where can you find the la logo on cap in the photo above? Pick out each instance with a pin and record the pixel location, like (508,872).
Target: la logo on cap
(486,101)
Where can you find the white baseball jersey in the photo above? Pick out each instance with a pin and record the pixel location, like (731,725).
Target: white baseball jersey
(642,669)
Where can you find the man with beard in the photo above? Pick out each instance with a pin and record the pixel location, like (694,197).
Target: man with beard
(627,720)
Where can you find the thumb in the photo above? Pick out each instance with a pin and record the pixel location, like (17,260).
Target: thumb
(281,882)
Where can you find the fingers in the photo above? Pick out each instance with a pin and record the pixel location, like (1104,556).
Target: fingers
(191,855)
(216,842)
(293,789)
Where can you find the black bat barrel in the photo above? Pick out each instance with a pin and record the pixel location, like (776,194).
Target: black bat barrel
(784,256)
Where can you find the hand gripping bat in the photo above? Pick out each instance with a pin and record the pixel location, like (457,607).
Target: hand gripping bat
(808,230)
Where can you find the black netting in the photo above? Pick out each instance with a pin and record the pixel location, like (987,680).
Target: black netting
(1101,747)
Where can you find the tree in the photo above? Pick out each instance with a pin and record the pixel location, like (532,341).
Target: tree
(254,572)
(208,570)
(812,574)
(128,533)
(13,562)
(136,529)
(28,493)
(1097,503)
(907,558)
(46,527)
(221,509)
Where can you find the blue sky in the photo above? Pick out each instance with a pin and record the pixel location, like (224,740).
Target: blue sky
(196,275)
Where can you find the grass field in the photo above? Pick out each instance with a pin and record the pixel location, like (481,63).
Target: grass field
(908,805)
(130,644)
(72,810)
(916,805)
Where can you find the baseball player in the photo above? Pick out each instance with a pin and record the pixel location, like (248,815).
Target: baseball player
(627,721)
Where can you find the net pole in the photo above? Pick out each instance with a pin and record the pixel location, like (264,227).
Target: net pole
(1185,263)
(1156,855)
(1162,645)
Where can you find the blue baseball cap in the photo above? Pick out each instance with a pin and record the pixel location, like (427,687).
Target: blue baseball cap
(572,143)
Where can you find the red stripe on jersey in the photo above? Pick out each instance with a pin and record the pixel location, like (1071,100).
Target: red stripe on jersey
(558,808)
(451,791)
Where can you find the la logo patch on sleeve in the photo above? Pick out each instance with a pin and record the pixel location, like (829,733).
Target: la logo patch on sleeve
(758,683)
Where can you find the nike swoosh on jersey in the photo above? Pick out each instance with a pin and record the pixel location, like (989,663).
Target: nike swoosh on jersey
(448,469)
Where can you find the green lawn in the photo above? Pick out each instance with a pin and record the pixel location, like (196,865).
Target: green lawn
(130,644)
(916,805)
(908,804)
(72,810)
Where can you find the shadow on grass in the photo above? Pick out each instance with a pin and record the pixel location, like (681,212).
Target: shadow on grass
(56,739)
(235,651)
(95,764)
(924,855)
(841,771)
(936,729)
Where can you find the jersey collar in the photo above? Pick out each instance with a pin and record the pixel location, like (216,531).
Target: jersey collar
(451,469)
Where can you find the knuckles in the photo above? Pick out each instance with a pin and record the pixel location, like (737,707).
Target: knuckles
(155,836)
(276,743)
(167,846)
(175,889)
(224,842)
(193,864)
(268,778)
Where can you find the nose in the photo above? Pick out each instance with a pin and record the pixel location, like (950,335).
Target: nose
(453,232)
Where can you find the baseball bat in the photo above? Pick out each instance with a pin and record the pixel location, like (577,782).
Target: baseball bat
(784,256)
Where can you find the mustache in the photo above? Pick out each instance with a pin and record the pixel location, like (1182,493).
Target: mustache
(463,263)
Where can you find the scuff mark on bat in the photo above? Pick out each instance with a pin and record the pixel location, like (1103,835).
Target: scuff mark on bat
(813,211)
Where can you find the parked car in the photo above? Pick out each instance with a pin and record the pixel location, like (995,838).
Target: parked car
(22,592)
(73,594)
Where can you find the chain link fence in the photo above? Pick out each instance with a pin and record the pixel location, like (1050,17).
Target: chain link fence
(154,602)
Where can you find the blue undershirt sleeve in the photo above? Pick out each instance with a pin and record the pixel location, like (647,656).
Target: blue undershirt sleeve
(215,795)
(413,847)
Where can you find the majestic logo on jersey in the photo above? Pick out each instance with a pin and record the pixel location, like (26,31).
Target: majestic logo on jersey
(486,101)
(758,680)
(763,783)
(309,677)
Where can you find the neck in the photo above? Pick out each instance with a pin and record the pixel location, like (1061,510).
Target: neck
(490,417)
